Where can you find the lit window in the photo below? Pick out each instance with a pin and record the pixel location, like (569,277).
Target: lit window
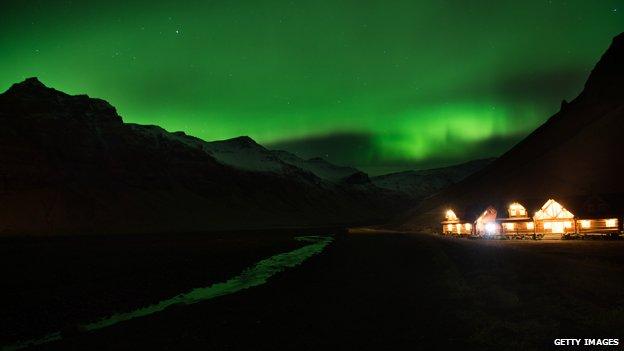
(509,226)
(611,222)
(552,209)
(567,224)
(451,216)
(516,210)
(450,227)
(458,227)
(468,226)
(530,225)
(547,225)
(585,223)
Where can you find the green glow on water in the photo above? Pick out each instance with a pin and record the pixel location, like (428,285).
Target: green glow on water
(250,277)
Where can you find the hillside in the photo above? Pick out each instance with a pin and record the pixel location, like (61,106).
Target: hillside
(70,165)
(244,153)
(574,156)
(422,183)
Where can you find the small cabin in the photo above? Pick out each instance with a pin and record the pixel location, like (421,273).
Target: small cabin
(518,224)
(453,226)
(597,217)
(486,224)
(597,226)
(553,221)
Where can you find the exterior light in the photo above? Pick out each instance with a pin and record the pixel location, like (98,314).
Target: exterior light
(552,209)
(517,210)
(490,228)
(451,216)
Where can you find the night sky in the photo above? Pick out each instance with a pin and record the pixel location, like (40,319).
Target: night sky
(381,85)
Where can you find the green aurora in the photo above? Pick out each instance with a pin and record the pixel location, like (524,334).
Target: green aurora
(381,85)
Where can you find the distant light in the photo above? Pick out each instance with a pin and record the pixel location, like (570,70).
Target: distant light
(612,222)
(450,215)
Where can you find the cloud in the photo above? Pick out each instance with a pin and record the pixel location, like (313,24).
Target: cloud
(341,148)
(542,87)
(360,150)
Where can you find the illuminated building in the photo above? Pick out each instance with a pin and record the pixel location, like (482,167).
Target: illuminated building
(518,224)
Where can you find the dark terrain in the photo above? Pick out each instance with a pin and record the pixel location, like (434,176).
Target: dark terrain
(70,165)
(55,283)
(365,291)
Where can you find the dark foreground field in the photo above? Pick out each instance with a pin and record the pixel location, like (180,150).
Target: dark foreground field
(51,284)
(390,291)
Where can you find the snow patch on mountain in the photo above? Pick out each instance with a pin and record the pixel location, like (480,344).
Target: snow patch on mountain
(244,153)
(423,183)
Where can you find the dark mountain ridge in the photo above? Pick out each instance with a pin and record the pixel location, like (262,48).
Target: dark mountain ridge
(422,183)
(574,156)
(71,166)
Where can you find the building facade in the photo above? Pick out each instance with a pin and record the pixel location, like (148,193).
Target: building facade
(551,221)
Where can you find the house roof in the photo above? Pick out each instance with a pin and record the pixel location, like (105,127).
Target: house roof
(553,209)
(489,214)
(516,219)
(594,206)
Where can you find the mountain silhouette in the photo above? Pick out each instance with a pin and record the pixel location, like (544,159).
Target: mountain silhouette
(422,183)
(70,165)
(576,155)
